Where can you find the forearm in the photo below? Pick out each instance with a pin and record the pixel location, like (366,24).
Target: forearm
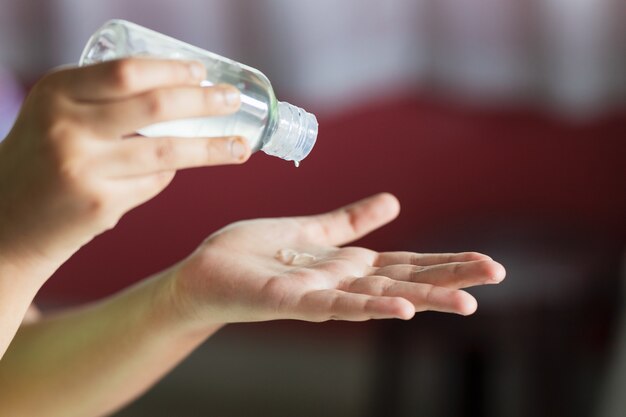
(27,259)
(14,302)
(92,361)
(20,279)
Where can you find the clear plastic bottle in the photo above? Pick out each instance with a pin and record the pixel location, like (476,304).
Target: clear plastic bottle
(275,127)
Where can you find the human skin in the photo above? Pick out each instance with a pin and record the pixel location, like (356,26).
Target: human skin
(72,165)
(92,360)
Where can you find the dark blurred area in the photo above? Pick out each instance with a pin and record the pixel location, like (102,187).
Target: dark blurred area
(499,124)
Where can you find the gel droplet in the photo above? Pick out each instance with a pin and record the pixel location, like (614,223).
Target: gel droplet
(295,258)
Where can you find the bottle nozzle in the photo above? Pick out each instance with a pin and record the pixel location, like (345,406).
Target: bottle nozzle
(295,133)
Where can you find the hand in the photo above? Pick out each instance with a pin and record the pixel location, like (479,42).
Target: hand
(292,268)
(72,165)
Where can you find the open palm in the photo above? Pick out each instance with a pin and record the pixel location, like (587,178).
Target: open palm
(294,268)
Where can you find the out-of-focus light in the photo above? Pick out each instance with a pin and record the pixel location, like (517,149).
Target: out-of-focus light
(10,100)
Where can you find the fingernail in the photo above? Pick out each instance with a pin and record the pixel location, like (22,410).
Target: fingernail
(237,149)
(197,70)
(231,95)
(499,274)
(495,280)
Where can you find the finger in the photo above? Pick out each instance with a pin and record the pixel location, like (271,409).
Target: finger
(351,222)
(452,275)
(126,77)
(340,305)
(141,156)
(423,296)
(426,259)
(121,117)
(135,191)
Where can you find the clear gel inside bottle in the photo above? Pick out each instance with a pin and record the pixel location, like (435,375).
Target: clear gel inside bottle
(275,127)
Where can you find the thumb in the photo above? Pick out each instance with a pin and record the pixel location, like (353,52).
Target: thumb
(348,223)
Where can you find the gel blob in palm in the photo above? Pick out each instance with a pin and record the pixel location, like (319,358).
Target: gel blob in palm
(274,127)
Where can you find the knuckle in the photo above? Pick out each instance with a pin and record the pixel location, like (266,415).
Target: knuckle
(65,163)
(369,306)
(335,307)
(180,70)
(89,201)
(472,256)
(382,286)
(353,221)
(104,217)
(165,151)
(349,284)
(369,285)
(210,149)
(46,87)
(95,204)
(387,286)
(69,173)
(415,273)
(52,81)
(414,259)
(210,98)
(52,118)
(124,74)
(457,301)
(429,294)
(485,267)
(98,210)
(58,129)
(156,104)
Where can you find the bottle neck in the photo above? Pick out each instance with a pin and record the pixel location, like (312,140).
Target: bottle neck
(295,133)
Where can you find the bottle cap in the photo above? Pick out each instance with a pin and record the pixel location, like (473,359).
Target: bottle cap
(295,134)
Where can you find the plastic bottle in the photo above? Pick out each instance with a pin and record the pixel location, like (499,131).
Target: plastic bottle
(275,127)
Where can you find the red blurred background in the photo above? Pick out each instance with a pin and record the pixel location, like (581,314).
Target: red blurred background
(500,126)
(453,168)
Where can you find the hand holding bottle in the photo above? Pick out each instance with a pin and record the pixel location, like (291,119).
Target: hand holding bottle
(72,165)
(292,268)
(275,127)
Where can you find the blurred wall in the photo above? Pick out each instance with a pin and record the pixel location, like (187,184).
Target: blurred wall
(566,54)
(455,107)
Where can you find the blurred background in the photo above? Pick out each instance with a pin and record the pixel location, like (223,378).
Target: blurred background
(500,126)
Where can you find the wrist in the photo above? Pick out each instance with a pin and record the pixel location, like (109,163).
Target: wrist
(173,310)
(25,268)
(24,254)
